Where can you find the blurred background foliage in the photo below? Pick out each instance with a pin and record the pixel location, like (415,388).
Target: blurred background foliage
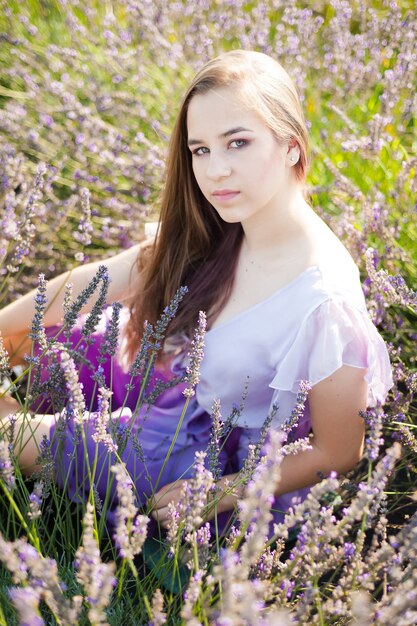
(91,90)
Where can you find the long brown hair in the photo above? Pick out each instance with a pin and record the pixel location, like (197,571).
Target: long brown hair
(193,245)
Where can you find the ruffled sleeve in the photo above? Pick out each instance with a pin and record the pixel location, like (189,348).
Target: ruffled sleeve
(335,333)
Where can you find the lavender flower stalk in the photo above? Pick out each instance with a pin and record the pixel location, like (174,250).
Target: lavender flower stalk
(6,465)
(30,568)
(85,227)
(70,315)
(37,332)
(159,617)
(26,227)
(187,517)
(196,356)
(67,303)
(168,314)
(4,359)
(96,577)
(76,402)
(97,309)
(191,596)
(298,410)
(110,340)
(394,288)
(196,491)
(35,501)
(255,508)
(215,440)
(130,533)
(374,419)
(26,602)
(101,421)
(47,466)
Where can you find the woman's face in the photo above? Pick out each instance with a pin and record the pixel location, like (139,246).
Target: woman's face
(241,168)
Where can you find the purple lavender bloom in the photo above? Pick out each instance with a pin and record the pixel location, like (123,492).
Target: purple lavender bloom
(298,410)
(97,310)
(37,332)
(26,602)
(349,550)
(111,335)
(70,316)
(35,501)
(168,314)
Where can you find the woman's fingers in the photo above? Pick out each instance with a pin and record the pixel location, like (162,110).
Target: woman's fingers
(8,405)
(170,493)
(162,516)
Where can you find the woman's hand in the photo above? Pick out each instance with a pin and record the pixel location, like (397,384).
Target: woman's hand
(223,498)
(172,492)
(8,405)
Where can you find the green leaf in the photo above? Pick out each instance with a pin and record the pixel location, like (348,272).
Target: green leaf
(172,575)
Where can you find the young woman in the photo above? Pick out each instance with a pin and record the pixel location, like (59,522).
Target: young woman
(282,296)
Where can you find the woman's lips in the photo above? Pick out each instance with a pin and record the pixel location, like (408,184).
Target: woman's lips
(223,195)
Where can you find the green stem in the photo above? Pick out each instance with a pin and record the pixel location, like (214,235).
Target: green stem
(121,578)
(33,538)
(319,604)
(2,618)
(171,447)
(147,606)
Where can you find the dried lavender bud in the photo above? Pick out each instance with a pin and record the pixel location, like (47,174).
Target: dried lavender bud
(4,359)
(159,617)
(26,228)
(130,532)
(213,448)
(298,411)
(76,402)
(85,227)
(26,602)
(95,576)
(195,356)
(37,332)
(35,501)
(6,465)
(102,422)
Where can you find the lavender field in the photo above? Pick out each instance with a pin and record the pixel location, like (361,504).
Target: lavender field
(88,94)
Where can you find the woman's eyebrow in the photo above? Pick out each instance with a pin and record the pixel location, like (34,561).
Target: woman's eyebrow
(232,131)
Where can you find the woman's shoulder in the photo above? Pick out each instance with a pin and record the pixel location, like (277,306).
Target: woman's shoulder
(337,270)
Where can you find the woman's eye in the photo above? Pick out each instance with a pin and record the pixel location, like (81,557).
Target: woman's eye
(238,143)
(200,151)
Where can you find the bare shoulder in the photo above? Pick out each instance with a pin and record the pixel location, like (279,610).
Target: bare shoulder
(131,259)
(125,268)
(324,244)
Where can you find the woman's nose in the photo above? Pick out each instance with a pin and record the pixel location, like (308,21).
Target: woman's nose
(218,167)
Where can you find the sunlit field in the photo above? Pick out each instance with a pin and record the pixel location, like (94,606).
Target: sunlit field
(88,95)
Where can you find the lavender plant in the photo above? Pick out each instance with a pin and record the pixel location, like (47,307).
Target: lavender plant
(86,97)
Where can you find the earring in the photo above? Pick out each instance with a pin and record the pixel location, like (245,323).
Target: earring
(292,159)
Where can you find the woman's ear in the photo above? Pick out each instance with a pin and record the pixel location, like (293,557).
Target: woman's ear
(293,152)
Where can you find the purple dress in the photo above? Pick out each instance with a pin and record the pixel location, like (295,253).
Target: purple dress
(303,332)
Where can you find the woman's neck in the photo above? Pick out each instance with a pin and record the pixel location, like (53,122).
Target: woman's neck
(279,227)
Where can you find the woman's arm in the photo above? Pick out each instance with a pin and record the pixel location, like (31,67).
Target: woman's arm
(336,442)
(16,318)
